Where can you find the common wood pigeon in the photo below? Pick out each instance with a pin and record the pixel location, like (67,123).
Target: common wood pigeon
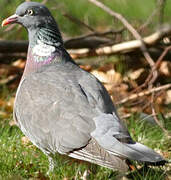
(63,109)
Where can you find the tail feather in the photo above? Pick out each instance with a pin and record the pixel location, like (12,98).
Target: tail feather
(115,139)
(142,153)
(135,151)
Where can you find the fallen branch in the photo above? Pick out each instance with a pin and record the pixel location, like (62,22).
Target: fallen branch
(91,40)
(13,46)
(124,47)
(11,50)
(87,41)
(144,93)
(8,58)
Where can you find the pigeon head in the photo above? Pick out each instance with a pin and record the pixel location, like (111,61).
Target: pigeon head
(34,17)
(31,15)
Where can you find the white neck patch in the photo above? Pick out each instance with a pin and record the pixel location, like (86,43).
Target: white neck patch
(42,49)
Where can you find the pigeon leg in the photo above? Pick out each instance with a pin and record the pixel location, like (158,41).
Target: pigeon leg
(51,165)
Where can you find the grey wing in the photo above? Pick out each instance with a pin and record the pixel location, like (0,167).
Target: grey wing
(53,112)
(99,99)
(110,132)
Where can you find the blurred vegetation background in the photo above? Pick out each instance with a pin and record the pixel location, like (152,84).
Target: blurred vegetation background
(135,11)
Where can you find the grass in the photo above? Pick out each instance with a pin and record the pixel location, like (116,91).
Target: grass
(20,159)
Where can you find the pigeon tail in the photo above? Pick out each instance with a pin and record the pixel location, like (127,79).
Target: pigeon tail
(148,156)
(114,138)
(139,152)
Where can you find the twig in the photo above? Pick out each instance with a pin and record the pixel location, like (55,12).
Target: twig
(155,116)
(157,64)
(95,33)
(129,27)
(102,34)
(91,40)
(159,8)
(144,93)
(142,27)
(148,103)
(151,79)
(79,22)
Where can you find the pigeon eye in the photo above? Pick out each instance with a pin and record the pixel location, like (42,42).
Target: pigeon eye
(30,12)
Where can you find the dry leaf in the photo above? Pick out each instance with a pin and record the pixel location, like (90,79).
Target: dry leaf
(86,67)
(168,97)
(19,63)
(110,77)
(167,115)
(135,74)
(138,75)
(9,104)
(12,123)
(25,140)
(2,103)
(6,70)
(106,67)
(4,114)
(165,68)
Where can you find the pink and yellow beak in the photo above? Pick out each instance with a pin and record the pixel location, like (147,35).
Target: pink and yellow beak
(10,20)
